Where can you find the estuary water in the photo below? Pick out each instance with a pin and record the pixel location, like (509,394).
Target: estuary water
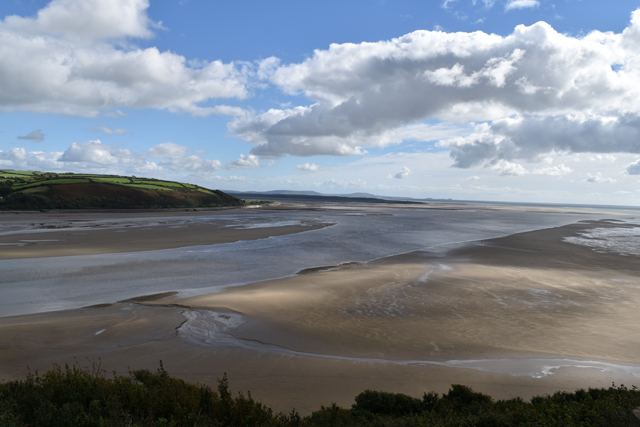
(362,234)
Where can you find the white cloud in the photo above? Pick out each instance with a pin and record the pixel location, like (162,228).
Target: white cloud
(35,135)
(603,157)
(446,3)
(633,168)
(86,19)
(231,178)
(179,159)
(98,153)
(244,162)
(175,160)
(558,170)
(308,167)
(20,158)
(521,4)
(508,168)
(531,138)
(536,85)
(108,130)
(405,172)
(168,150)
(333,183)
(68,60)
(599,178)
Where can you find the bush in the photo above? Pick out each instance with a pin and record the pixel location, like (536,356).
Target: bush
(74,396)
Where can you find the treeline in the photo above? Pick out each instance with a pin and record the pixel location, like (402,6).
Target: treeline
(87,397)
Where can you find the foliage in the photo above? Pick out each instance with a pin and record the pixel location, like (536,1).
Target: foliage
(73,396)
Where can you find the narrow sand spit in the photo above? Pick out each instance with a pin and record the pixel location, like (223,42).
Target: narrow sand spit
(400,324)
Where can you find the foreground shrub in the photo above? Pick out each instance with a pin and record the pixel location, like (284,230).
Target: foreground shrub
(72,396)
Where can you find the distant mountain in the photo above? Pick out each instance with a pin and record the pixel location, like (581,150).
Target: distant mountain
(28,190)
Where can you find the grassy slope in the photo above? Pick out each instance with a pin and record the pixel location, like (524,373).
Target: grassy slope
(44,190)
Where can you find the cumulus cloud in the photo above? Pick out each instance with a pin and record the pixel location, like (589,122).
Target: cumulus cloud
(599,178)
(532,137)
(244,162)
(521,4)
(405,172)
(534,79)
(70,59)
(87,19)
(634,168)
(308,167)
(508,168)
(98,153)
(109,131)
(162,159)
(35,135)
(178,159)
(20,158)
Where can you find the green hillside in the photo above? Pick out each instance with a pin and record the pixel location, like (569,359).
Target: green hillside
(29,190)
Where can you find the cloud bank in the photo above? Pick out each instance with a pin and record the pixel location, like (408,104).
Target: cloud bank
(534,93)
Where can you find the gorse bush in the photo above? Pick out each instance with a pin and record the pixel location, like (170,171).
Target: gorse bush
(73,396)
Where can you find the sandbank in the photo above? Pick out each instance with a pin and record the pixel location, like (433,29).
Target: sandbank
(54,234)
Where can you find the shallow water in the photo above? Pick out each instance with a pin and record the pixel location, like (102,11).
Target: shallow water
(623,241)
(47,284)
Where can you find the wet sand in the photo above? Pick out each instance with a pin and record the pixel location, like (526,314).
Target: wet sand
(329,333)
(87,233)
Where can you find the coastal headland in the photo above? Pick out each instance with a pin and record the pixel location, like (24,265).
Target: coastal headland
(520,315)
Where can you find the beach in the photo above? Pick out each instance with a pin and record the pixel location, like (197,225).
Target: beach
(518,315)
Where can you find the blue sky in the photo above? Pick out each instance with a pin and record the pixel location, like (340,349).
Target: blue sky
(512,100)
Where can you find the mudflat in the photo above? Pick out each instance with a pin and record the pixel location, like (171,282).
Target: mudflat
(395,324)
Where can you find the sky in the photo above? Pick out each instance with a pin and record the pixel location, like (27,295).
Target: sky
(496,100)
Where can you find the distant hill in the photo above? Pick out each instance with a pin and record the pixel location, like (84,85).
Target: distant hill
(289,194)
(29,190)
(312,196)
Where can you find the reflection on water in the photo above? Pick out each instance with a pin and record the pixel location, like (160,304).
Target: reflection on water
(71,282)
(622,241)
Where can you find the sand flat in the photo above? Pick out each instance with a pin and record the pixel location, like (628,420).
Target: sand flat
(102,233)
(525,296)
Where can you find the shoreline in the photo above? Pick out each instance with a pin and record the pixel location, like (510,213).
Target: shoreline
(523,296)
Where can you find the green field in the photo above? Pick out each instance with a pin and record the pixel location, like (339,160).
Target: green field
(52,182)
(111,180)
(46,190)
(147,186)
(159,183)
